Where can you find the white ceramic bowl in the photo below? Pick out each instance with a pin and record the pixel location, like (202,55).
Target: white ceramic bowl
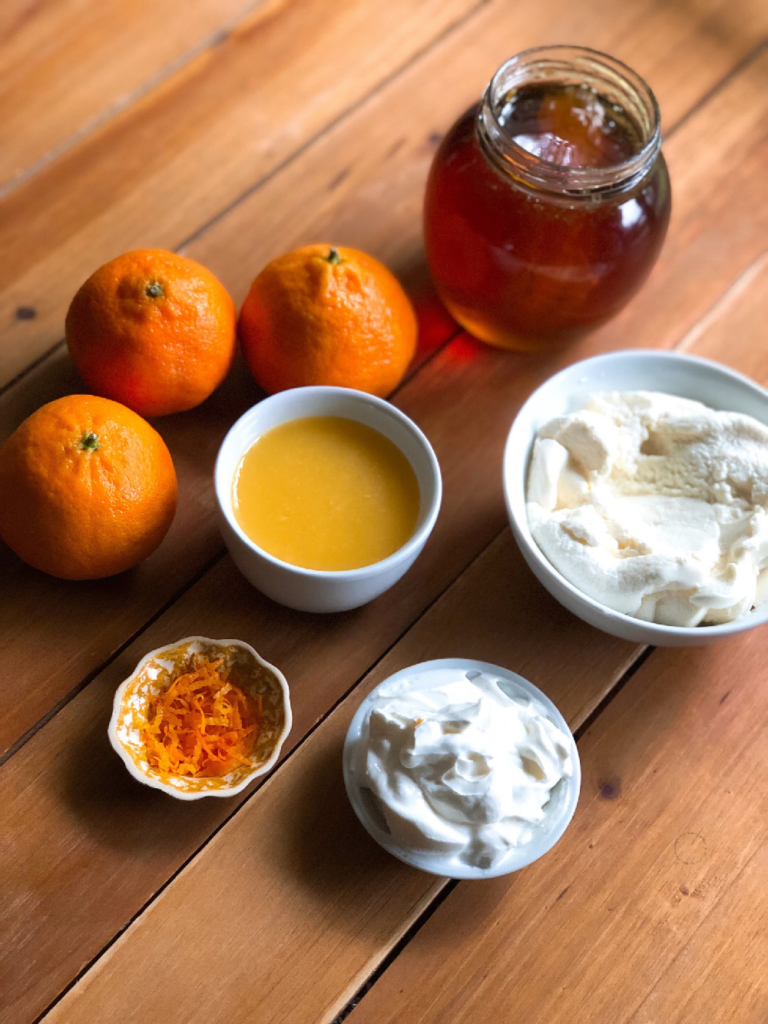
(312,590)
(426,675)
(157,670)
(676,374)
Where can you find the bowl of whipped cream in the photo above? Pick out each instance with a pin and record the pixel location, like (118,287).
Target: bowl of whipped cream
(461,768)
(637,490)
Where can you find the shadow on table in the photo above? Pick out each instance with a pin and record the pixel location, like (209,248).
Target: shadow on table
(116,809)
(324,848)
(363,891)
(323,841)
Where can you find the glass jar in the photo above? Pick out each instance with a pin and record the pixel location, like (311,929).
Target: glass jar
(547,202)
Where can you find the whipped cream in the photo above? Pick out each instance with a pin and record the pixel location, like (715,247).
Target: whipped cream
(461,770)
(655,506)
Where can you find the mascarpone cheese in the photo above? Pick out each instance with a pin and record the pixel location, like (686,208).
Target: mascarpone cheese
(655,506)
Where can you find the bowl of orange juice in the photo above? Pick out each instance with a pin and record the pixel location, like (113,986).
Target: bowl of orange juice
(326,496)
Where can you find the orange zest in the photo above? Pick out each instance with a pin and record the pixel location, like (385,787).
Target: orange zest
(202,724)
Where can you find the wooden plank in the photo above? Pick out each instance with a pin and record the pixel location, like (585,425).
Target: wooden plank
(721,940)
(157,172)
(89,799)
(309,905)
(47,670)
(652,908)
(445,83)
(376,206)
(733,332)
(67,66)
(360,922)
(161,170)
(490,642)
(726,956)
(719,215)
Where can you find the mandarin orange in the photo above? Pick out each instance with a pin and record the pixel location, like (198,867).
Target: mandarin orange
(327,315)
(152,330)
(88,486)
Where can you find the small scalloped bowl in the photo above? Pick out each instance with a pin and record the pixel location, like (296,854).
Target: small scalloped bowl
(157,670)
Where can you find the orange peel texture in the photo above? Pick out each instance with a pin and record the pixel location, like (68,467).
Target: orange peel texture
(202,725)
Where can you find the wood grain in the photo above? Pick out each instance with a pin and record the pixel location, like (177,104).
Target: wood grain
(100,884)
(67,66)
(47,671)
(305,902)
(719,215)
(713,924)
(413,114)
(734,332)
(157,172)
(652,908)
(475,626)
(82,848)
(376,205)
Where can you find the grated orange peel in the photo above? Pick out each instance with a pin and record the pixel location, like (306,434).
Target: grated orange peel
(200,718)
(202,724)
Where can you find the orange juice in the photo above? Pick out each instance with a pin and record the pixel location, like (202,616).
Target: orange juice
(326,493)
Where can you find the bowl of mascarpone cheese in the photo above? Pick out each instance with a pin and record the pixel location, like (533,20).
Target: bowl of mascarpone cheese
(461,768)
(637,489)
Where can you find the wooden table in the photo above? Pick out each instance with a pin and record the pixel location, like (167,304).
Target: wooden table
(233,130)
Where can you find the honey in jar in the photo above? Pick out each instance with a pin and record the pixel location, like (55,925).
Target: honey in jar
(548,201)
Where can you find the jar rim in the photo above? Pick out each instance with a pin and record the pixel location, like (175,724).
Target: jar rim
(545,175)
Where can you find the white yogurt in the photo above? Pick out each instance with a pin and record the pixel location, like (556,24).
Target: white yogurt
(460,771)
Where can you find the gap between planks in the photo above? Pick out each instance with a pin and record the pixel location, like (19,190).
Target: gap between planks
(452,883)
(294,750)
(721,303)
(728,77)
(191,582)
(296,154)
(325,716)
(122,103)
(90,676)
(742,282)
